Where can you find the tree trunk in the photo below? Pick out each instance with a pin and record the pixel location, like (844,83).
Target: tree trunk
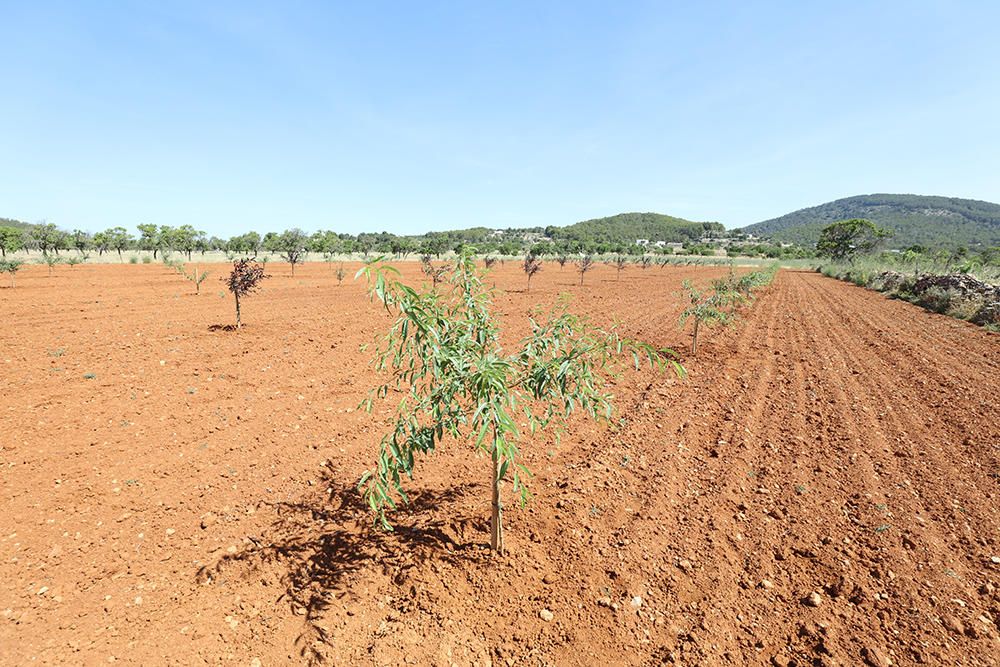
(694,339)
(238,323)
(496,517)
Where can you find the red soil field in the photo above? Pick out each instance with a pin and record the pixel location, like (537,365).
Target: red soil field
(821,489)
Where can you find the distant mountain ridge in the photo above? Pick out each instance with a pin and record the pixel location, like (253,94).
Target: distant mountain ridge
(931,221)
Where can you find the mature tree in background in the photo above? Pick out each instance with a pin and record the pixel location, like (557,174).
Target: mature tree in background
(119,239)
(292,246)
(101,242)
(324,242)
(849,238)
(434,245)
(186,239)
(80,240)
(254,242)
(168,240)
(150,238)
(11,239)
(249,243)
(47,237)
(402,246)
(201,242)
(271,242)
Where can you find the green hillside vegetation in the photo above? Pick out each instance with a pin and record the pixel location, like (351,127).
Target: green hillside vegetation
(914,220)
(627,227)
(17,224)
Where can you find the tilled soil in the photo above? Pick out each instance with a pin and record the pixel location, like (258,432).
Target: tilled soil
(821,489)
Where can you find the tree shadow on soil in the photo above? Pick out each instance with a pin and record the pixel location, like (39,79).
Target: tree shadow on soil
(222,327)
(323,545)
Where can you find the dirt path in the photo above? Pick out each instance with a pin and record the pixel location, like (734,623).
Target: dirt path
(193,500)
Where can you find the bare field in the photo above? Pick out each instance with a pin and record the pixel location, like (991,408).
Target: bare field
(821,489)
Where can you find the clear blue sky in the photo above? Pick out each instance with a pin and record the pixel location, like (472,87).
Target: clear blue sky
(412,116)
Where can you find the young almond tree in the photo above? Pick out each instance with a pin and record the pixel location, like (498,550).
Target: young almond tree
(435,273)
(584,264)
(340,275)
(50,261)
(11,266)
(244,280)
(489,262)
(562,259)
(706,307)
(645,261)
(443,355)
(532,265)
(198,277)
(620,262)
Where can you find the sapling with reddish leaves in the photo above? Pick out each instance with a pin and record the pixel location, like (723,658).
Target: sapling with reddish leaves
(244,280)
(489,262)
(620,262)
(340,275)
(444,358)
(584,264)
(435,273)
(531,266)
(562,259)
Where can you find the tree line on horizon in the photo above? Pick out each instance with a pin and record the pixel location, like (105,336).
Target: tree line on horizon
(614,235)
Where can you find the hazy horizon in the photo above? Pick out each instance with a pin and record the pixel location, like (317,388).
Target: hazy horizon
(409,119)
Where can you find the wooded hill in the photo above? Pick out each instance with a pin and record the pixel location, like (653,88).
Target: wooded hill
(915,220)
(627,227)
(17,224)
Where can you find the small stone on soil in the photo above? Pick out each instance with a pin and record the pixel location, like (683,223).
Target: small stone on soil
(814,599)
(546,615)
(954,625)
(875,657)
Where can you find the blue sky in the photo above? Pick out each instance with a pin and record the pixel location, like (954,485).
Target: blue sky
(413,116)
